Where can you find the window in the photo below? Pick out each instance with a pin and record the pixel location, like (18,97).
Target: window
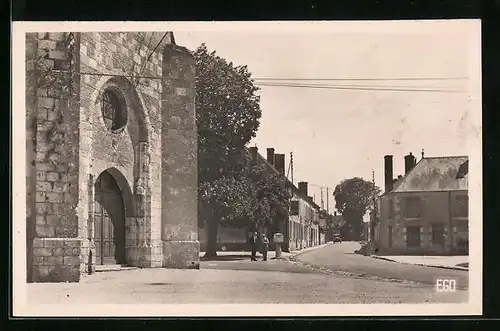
(113,114)
(389,236)
(438,234)
(413,236)
(391,209)
(294,207)
(412,207)
(462,206)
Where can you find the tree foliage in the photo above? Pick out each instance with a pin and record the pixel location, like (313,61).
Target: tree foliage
(231,191)
(228,114)
(353,198)
(270,196)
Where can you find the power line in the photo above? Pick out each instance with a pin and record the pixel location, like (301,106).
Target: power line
(338,87)
(164,35)
(362,79)
(438,88)
(114,75)
(320,186)
(330,87)
(355,85)
(147,49)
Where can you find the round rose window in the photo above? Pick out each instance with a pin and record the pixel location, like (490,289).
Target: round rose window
(115,117)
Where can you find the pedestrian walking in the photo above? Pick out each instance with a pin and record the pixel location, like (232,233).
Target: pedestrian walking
(265,247)
(253,246)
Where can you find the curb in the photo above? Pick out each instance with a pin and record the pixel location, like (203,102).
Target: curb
(285,255)
(309,249)
(422,264)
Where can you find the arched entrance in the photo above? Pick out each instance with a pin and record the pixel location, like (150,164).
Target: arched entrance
(109,221)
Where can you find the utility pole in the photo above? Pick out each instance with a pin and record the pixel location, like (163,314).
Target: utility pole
(322,202)
(327,202)
(291,165)
(374,210)
(288,171)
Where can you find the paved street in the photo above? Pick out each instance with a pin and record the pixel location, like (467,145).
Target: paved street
(341,258)
(453,262)
(238,280)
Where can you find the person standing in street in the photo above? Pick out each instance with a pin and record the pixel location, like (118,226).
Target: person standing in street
(253,246)
(265,247)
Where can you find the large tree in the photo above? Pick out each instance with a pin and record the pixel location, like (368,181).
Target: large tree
(228,114)
(353,198)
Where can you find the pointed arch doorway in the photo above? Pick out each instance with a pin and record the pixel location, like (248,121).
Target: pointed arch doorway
(109,221)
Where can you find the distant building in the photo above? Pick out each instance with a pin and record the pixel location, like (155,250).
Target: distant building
(334,226)
(303,223)
(426,210)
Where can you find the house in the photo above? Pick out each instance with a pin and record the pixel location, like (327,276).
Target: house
(108,178)
(303,222)
(426,210)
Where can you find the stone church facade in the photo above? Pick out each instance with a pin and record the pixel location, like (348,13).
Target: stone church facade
(111,169)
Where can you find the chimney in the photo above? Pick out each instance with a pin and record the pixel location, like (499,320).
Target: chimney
(279,162)
(253,153)
(388,173)
(303,188)
(270,156)
(410,162)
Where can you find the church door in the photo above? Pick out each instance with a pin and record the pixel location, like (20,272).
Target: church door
(109,221)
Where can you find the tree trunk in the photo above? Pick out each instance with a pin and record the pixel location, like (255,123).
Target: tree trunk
(212,229)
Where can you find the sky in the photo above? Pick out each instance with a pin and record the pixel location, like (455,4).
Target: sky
(339,134)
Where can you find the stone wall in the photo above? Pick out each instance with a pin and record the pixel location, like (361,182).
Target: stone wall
(57,259)
(51,99)
(179,160)
(31,125)
(134,152)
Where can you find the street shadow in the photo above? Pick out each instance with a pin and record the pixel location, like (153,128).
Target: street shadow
(159,284)
(226,258)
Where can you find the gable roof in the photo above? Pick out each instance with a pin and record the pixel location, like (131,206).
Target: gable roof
(447,173)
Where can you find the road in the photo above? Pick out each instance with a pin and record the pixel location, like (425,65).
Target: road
(340,257)
(238,281)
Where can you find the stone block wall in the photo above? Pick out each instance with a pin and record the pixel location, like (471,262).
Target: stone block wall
(53,134)
(56,259)
(31,124)
(179,160)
